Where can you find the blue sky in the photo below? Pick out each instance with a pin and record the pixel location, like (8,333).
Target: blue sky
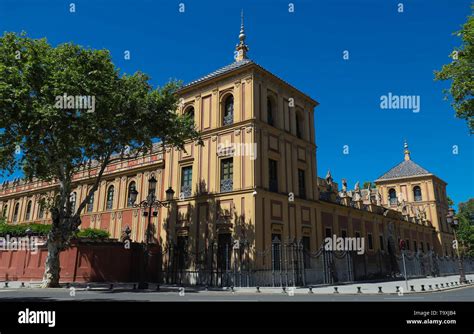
(388,52)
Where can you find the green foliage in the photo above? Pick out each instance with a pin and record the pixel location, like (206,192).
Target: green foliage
(450,201)
(58,141)
(93,233)
(460,72)
(20,230)
(465,232)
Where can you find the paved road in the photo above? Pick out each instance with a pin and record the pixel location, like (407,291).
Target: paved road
(63,294)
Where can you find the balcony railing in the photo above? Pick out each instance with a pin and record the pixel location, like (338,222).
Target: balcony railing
(227,185)
(418,199)
(393,201)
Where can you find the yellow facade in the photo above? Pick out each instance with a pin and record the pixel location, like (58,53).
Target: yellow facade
(271,126)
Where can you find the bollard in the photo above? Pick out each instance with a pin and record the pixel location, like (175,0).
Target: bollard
(232,289)
(88,287)
(452,283)
(310,290)
(206,288)
(442,285)
(258,289)
(430,287)
(412,288)
(358,290)
(423,288)
(111,286)
(456,283)
(6,284)
(398,289)
(380,289)
(283,290)
(22,284)
(134,286)
(335,290)
(157,287)
(436,286)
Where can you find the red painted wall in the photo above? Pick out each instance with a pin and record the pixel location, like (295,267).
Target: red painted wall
(83,262)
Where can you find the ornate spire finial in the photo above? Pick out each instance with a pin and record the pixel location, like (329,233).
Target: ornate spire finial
(406,151)
(241,48)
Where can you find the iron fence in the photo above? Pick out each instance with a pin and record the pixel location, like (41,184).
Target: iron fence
(286,264)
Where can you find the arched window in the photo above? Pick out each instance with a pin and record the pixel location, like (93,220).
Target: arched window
(73,202)
(131,187)
(270,113)
(417,194)
(392,195)
(110,198)
(15,212)
(28,211)
(90,205)
(228,110)
(41,211)
(5,211)
(190,113)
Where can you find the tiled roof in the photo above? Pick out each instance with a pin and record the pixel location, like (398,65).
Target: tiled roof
(236,65)
(405,169)
(225,69)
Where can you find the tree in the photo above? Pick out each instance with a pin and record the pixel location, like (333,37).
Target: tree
(465,232)
(58,136)
(450,201)
(460,72)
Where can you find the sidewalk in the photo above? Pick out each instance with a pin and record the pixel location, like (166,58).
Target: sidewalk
(418,285)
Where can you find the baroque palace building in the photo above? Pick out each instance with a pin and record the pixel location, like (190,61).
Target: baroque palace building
(253,181)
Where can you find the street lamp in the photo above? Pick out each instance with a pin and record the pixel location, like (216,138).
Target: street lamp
(149,204)
(454,222)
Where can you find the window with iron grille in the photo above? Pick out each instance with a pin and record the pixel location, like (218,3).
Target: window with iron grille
(90,205)
(131,188)
(227,174)
(392,194)
(28,211)
(273,175)
(382,246)
(228,110)
(301,183)
(417,194)
(110,198)
(186,181)
(15,212)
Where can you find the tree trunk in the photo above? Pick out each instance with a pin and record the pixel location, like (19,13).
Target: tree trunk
(52,268)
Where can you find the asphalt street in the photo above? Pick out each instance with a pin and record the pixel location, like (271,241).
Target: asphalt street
(189,295)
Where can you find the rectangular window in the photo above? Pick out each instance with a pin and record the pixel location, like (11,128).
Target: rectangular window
(306,241)
(186,181)
(382,246)
(273,175)
(227,174)
(427,246)
(414,246)
(90,205)
(422,247)
(369,240)
(328,233)
(301,183)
